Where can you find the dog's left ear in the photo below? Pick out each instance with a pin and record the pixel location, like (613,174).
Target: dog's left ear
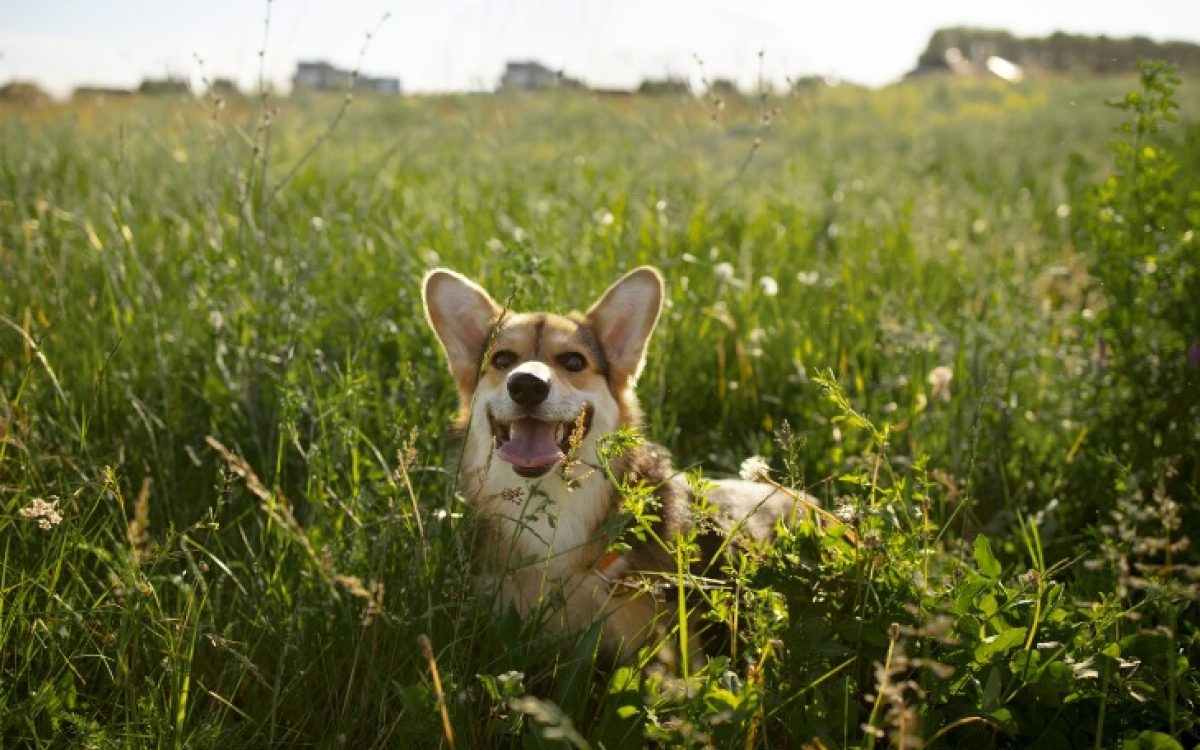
(624,318)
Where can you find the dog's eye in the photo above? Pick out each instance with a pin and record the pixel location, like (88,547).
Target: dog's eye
(504,359)
(572,361)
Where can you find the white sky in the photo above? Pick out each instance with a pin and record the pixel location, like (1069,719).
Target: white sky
(463,44)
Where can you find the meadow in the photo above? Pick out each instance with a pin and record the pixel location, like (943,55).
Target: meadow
(960,313)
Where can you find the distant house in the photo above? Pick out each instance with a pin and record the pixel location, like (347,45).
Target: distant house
(383,85)
(529,76)
(318,75)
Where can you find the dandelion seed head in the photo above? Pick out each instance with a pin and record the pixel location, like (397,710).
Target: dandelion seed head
(755,469)
(723,271)
(939,380)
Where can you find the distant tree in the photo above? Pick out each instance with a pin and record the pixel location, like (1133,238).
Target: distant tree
(723,88)
(1058,52)
(224,87)
(24,93)
(663,86)
(163,86)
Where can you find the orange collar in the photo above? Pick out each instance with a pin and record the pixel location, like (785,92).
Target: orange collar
(606,562)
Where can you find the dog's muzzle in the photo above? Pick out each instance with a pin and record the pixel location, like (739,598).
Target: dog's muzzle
(534,446)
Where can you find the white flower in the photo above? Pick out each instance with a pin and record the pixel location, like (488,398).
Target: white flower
(661,206)
(44,512)
(808,278)
(939,379)
(769,286)
(723,271)
(317,223)
(755,469)
(604,217)
(845,509)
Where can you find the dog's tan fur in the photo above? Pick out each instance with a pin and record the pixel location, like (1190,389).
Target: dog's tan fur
(543,536)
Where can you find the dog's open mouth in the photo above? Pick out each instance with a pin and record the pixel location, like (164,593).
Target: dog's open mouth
(533,446)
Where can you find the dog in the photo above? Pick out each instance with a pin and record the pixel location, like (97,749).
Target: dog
(538,394)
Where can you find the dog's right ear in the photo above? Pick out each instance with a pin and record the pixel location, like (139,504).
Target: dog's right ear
(462,315)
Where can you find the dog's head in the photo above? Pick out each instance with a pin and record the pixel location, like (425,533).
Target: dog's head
(540,383)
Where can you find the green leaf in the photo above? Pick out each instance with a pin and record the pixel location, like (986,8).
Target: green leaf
(1151,741)
(985,559)
(998,644)
(991,691)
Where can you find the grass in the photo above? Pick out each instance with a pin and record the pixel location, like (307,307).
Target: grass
(224,385)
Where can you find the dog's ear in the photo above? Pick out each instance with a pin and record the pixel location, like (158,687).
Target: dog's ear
(624,318)
(462,315)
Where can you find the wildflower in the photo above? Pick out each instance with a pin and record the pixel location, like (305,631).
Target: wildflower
(939,379)
(317,223)
(45,512)
(755,469)
(724,272)
(808,278)
(844,508)
(1063,211)
(661,206)
(604,217)
(769,286)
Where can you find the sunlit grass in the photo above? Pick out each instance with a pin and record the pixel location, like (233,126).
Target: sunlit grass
(228,395)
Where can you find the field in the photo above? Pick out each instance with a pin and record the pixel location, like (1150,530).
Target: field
(961,313)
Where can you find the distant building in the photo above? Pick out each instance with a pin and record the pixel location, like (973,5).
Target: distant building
(318,75)
(383,85)
(529,76)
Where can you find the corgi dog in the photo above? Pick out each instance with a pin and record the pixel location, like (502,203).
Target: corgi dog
(538,392)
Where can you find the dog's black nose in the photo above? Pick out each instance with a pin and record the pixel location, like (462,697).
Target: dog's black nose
(527,389)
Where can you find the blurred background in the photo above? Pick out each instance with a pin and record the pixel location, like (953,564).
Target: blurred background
(466,45)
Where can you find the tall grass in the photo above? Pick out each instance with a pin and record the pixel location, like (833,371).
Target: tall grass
(242,422)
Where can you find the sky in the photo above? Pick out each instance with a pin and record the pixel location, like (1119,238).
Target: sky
(454,45)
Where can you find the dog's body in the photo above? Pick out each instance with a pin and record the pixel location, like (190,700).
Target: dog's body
(537,392)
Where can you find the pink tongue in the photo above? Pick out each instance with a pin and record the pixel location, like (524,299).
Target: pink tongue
(531,444)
